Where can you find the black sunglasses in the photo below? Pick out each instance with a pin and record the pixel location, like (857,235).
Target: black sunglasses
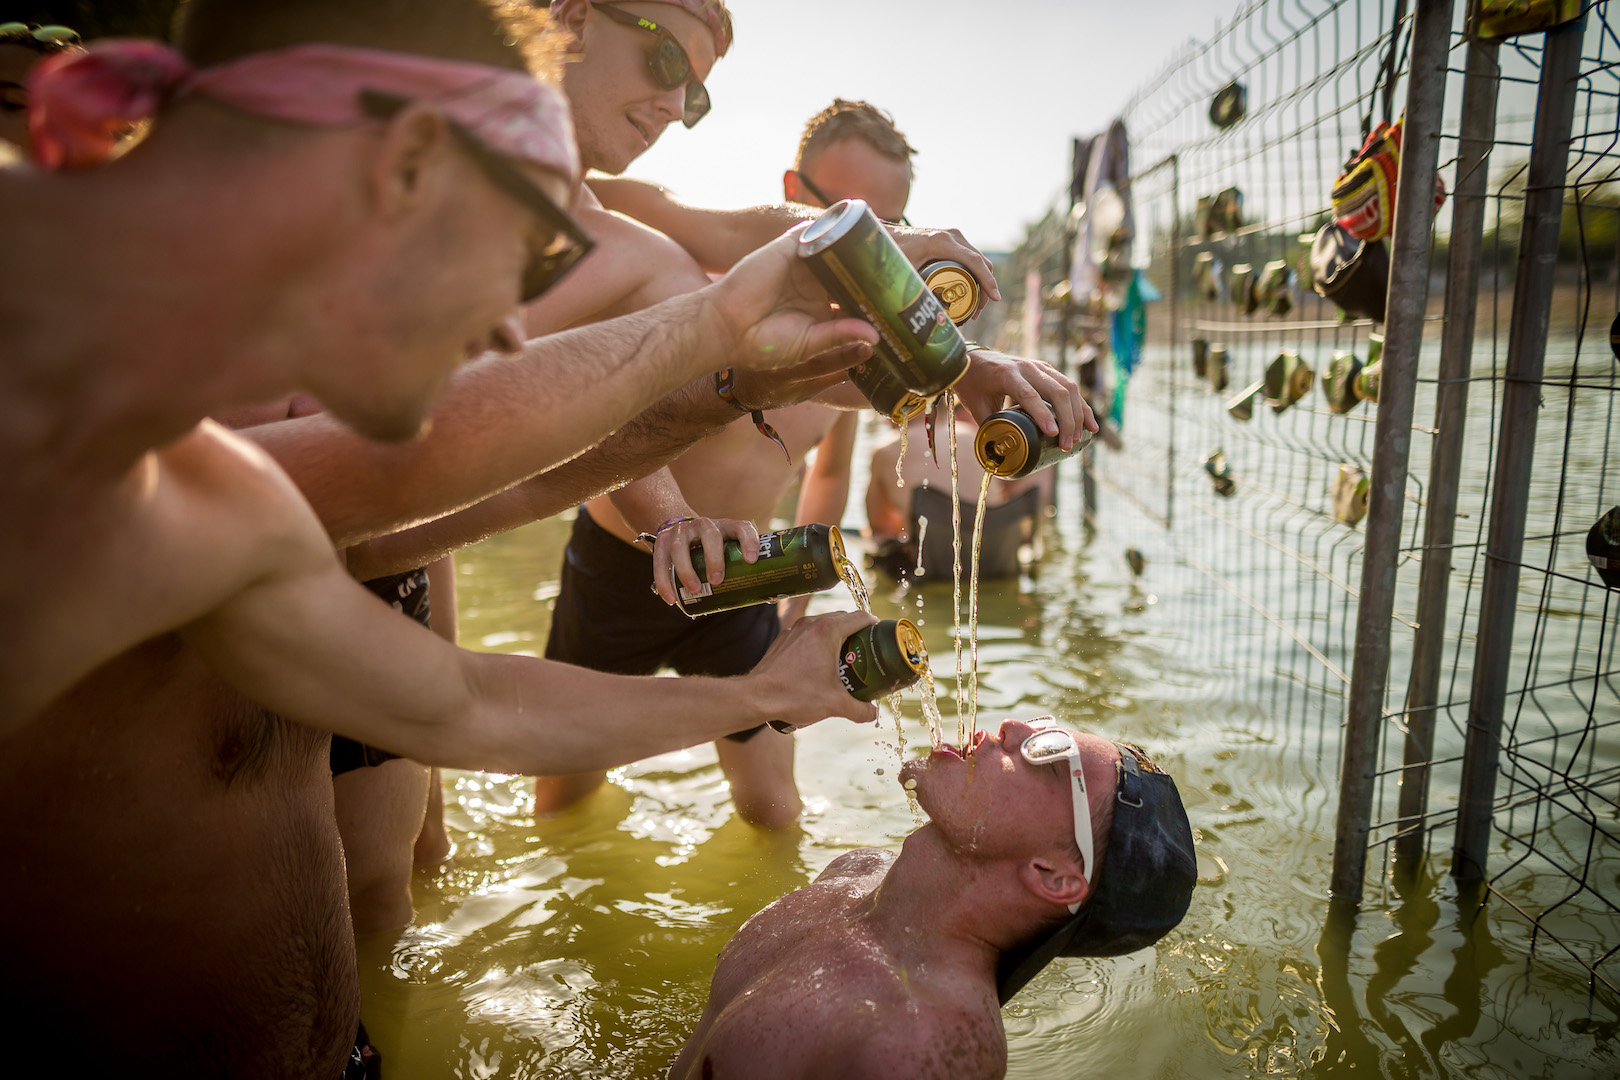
(568,246)
(823,200)
(668,62)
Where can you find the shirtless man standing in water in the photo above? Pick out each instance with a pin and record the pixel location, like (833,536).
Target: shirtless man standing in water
(175,864)
(1042,842)
(729,485)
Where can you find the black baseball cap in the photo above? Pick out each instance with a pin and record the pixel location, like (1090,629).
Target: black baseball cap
(1143,885)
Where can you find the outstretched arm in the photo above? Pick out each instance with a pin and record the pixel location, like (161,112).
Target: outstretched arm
(718,239)
(309,643)
(503,420)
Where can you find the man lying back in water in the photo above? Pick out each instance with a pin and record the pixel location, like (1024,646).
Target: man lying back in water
(1042,842)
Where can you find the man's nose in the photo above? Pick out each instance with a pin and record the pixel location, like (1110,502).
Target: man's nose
(1012,734)
(670,106)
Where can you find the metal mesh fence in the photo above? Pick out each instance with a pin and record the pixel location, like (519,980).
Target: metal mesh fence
(1256,473)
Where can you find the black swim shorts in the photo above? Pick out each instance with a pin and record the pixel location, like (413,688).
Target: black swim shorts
(608,618)
(408,593)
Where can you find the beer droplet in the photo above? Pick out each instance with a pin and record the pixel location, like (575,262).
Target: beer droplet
(911,785)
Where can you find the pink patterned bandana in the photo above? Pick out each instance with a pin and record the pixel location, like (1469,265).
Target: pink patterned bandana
(80,103)
(710,12)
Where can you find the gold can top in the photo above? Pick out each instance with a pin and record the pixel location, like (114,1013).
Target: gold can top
(1001,447)
(908,408)
(911,645)
(955,287)
(835,541)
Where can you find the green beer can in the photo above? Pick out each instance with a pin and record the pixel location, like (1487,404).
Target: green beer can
(804,559)
(864,270)
(887,393)
(1009,445)
(876,662)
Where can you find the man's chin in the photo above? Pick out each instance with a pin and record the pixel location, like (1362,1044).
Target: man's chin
(395,426)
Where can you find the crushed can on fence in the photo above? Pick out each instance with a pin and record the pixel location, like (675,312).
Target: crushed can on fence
(1241,407)
(1200,356)
(1349,492)
(864,270)
(1219,367)
(1339,381)
(1603,547)
(793,562)
(1010,445)
(1508,18)
(1287,380)
(1220,472)
(1372,371)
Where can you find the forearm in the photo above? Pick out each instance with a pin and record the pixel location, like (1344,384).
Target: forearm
(550,719)
(500,421)
(647,503)
(653,439)
(717,239)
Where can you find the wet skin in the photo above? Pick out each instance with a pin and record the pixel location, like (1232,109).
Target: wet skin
(884,967)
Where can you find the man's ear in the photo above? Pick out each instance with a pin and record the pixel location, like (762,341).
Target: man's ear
(1057,881)
(416,141)
(570,15)
(793,189)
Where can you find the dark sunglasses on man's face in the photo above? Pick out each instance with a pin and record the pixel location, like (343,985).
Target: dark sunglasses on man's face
(668,62)
(815,193)
(569,244)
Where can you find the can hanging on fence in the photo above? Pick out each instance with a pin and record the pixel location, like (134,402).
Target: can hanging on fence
(804,559)
(877,661)
(1010,445)
(864,270)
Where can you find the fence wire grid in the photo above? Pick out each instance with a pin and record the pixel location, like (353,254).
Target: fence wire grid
(1270,561)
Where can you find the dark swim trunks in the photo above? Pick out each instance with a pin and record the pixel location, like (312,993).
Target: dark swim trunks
(408,593)
(608,618)
(364,1063)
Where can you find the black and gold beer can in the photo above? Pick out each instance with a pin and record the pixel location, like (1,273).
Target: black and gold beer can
(876,662)
(881,659)
(793,562)
(864,270)
(1010,445)
(954,286)
(887,393)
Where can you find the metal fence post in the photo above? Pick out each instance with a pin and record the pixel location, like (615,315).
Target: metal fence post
(1175,335)
(1521,399)
(1403,337)
(1476,131)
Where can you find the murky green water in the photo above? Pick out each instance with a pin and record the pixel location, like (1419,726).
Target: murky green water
(582,946)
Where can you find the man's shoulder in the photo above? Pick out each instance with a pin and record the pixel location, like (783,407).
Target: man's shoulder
(229,476)
(854,865)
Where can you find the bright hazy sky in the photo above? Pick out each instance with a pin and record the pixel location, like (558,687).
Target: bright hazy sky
(989,92)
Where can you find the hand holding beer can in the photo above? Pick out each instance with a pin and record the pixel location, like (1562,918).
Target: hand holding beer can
(864,270)
(793,562)
(880,660)
(1010,445)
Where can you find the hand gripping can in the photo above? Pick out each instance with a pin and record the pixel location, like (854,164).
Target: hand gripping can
(882,659)
(954,286)
(804,559)
(876,662)
(1009,445)
(863,269)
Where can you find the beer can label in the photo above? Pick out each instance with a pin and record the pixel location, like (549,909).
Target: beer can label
(688,595)
(771,545)
(924,317)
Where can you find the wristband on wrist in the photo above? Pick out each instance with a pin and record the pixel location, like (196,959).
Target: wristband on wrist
(725,386)
(652,537)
